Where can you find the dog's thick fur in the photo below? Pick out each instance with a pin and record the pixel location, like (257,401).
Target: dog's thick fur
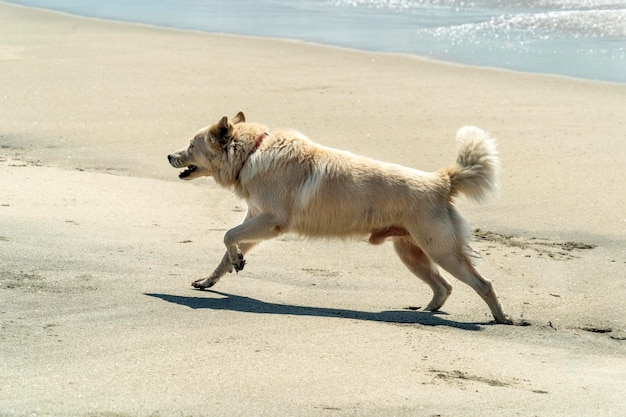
(291,184)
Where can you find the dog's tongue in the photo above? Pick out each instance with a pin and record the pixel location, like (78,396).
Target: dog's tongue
(188,171)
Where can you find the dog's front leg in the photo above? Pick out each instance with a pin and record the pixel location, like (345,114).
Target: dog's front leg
(224,267)
(262,227)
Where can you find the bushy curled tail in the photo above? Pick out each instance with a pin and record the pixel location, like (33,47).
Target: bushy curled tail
(477,167)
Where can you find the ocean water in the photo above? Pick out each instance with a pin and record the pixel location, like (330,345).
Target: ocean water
(577,38)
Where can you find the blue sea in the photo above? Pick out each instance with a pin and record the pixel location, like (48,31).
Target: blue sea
(578,38)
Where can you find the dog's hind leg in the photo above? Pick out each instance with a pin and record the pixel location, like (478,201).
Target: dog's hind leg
(459,265)
(445,240)
(450,255)
(420,264)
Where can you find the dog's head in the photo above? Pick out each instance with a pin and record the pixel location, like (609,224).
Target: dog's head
(206,150)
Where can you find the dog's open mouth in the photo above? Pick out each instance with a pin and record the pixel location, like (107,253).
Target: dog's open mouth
(190,169)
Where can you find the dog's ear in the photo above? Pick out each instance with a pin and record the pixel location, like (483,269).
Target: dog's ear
(224,131)
(239,118)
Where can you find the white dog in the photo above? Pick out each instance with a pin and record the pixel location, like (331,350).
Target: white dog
(291,184)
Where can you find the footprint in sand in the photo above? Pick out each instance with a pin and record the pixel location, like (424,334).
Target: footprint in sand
(561,251)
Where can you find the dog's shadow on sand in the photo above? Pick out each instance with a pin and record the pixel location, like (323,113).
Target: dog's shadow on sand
(243,304)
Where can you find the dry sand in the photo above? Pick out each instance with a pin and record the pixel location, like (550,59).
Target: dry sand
(99,241)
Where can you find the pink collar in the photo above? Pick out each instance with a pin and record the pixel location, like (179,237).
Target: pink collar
(256,145)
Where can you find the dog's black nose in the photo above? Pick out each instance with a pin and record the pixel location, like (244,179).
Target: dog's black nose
(169,158)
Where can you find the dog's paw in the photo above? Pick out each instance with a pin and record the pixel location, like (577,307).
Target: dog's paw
(503,320)
(204,283)
(239,263)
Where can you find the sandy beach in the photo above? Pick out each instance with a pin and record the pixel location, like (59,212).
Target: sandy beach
(99,240)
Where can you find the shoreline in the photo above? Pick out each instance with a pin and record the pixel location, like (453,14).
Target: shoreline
(322,45)
(100,240)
